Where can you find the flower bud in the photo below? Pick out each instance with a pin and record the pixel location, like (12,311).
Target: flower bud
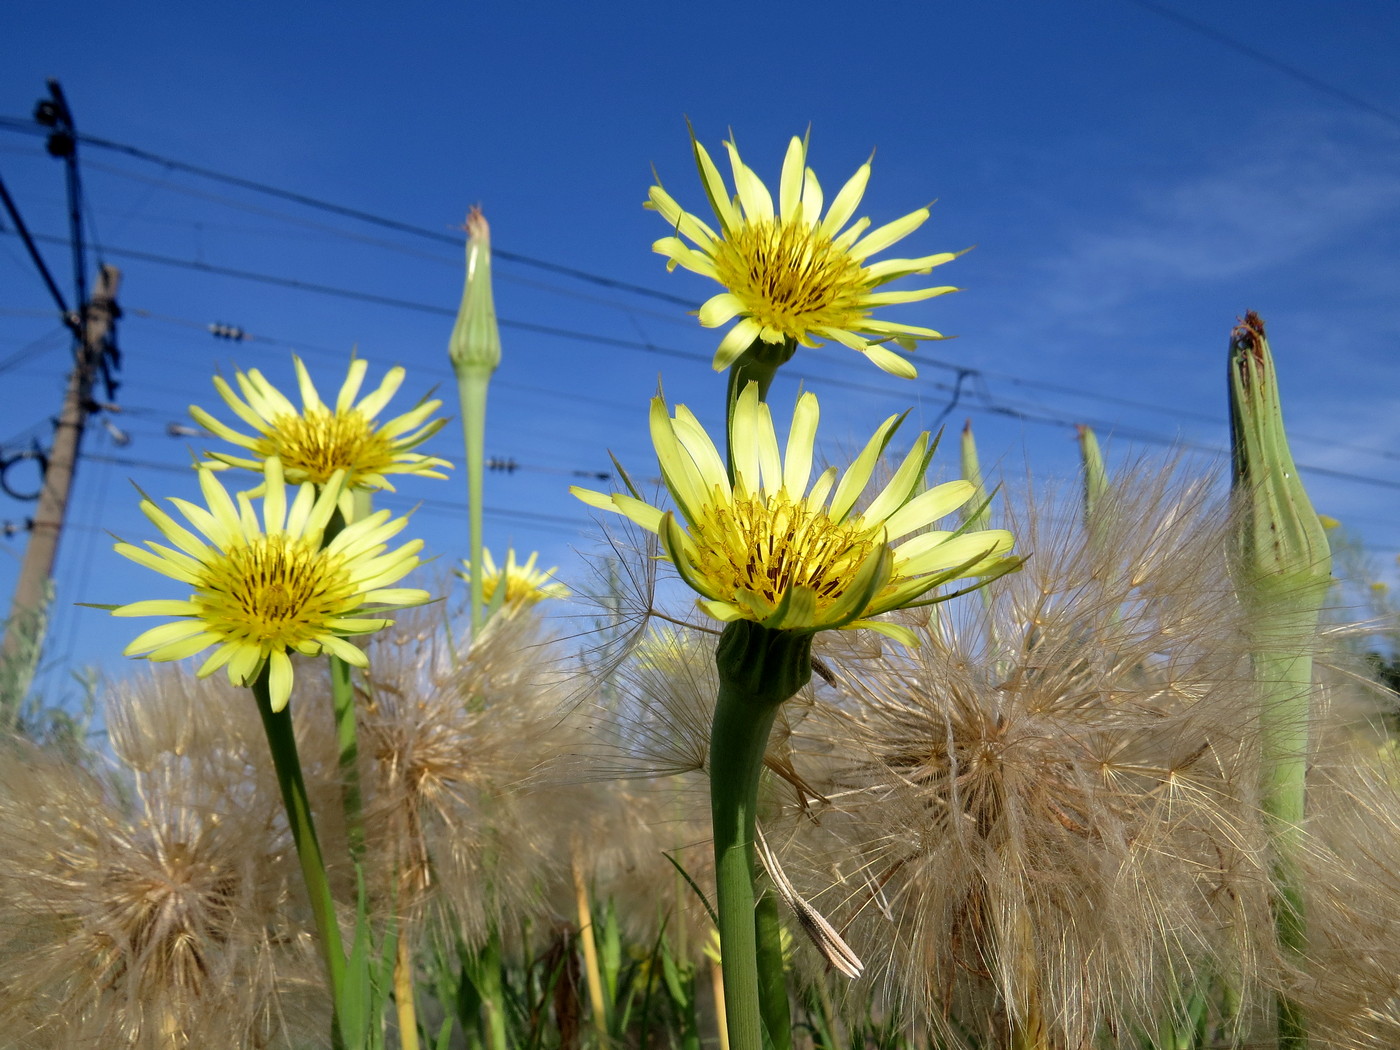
(476,339)
(1095,474)
(1281,559)
(976,513)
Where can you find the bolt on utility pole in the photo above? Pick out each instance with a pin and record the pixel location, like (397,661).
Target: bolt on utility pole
(27,606)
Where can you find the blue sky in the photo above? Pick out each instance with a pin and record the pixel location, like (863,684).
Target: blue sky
(1131,184)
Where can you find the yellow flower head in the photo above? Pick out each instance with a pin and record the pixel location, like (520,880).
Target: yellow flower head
(317,440)
(769,549)
(524,584)
(790,274)
(261,589)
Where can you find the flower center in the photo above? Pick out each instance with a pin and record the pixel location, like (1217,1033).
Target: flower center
(276,589)
(314,445)
(767,546)
(790,277)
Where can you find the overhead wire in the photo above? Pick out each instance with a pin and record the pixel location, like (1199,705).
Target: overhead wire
(434,506)
(297,284)
(1264,58)
(357,214)
(456,241)
(647,345)
(50,340)
(650,347)
(22,231)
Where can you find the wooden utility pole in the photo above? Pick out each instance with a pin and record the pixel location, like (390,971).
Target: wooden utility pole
(27,607)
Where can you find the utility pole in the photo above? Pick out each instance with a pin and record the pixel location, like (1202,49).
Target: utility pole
(95,356)
(27,606)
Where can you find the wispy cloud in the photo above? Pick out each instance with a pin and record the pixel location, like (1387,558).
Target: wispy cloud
(1287,191)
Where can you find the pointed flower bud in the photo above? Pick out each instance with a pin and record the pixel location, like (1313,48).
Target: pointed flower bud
(1280,557)
(1095,474)
(476,339)
(976,513)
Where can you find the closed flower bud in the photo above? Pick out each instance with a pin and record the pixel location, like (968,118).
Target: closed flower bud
(1280,551)
(476,339)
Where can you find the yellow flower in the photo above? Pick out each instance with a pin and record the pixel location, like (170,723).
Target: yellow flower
(316,441)
(769,549)
(524,584)
(260,590)
(792,276)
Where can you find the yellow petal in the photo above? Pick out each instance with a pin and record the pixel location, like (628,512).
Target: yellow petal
(354,378)
(167,563)
(801,443)
(718,309)
(790,182)
(883,236)
(164,634)
(279,678)
(715,189)
(902,486)
(897,631)
(157,607)
(889,361)
(927,507)
(179,650)
(372,405)
(753,195)
(735,342)
(309,398)
(847,200)
(858,473)
(811,196)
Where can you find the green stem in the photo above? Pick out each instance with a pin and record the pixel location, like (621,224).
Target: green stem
(1286,680)
(348,748)
(471,389)
(759,668)
(281,741)
(772,975)
(493,998)
(343,703)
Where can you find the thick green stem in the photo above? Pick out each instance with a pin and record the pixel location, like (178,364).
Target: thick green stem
(1285,680)
(281,741)
(759,668)
(471,389)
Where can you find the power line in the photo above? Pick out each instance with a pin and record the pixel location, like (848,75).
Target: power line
(306,350)
(960,371)
(359,215)
(297,284)
(453,259)
(1147,437)
(24,235)
(435,506)
(1300,75)
(989,406)
(628,344)
(50,340)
